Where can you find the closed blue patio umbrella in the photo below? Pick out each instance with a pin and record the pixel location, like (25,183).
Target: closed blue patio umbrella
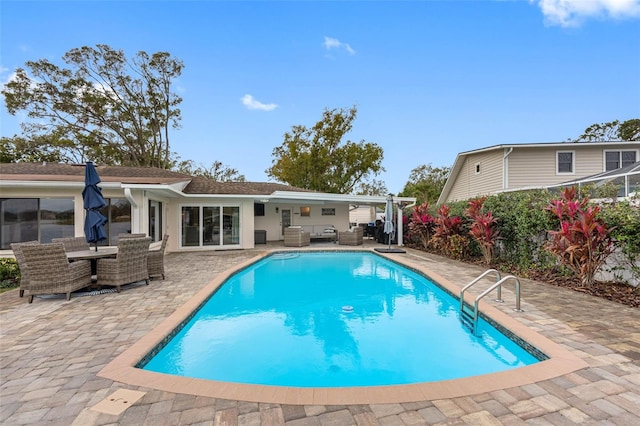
(93,201)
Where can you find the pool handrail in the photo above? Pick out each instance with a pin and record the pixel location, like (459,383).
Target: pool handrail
(478,278)
(475,313)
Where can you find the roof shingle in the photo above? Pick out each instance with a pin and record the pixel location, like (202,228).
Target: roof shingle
(138,175)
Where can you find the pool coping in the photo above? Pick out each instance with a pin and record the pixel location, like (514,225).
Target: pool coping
(123,368)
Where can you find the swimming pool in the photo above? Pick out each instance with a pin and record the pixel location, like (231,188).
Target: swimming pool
(125,369)
(333,319)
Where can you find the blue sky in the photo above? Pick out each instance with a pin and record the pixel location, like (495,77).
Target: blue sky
(430,79)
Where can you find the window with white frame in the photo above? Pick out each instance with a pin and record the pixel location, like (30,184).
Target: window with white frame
(616,159)
(565,162)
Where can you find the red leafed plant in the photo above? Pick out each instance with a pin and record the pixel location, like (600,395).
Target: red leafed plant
(582,242)
(445,231)
(483,228)
(421,224)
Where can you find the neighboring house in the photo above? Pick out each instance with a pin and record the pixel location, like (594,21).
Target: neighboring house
(365,214)
(501,168)
(41,201)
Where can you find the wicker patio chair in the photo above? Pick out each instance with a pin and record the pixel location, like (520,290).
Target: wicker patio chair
(128,235)
(350,238)
(296,237)
(73,243)
(50,272)
(155,262)
(22,263)
(129,266)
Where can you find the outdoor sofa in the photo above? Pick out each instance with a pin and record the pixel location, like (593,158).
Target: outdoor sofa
(321,232)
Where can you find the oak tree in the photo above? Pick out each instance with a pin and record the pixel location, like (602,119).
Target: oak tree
(217,171)
(316,158)
(115,110)
(615,130)
(426,183)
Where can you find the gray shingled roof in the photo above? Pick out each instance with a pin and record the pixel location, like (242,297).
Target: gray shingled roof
(201,185)
(139,175)
(73,172)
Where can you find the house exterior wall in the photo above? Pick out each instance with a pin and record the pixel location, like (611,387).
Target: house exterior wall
(340,220)
(488,180)
(536,167)
(174,220)
(61,192)
(74,193)
(362,214)
(140,214)
(272,220)
(527,166)
(156,205)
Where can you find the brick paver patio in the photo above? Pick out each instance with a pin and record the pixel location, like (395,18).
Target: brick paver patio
(52,350)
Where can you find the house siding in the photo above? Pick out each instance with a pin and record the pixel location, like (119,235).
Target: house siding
(471,184)
(362,214)
(536,167)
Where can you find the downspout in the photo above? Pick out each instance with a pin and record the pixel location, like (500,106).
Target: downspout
(135,211)
(505,169)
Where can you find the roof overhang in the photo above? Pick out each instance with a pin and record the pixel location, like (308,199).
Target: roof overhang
(327,198)
(53,184)
(175,190)
(547,145)
(171,190)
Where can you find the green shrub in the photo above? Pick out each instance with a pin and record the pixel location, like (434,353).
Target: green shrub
(9,273)
(624,219)
(523,224)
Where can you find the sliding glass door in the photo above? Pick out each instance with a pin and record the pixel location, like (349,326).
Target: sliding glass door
(210,226)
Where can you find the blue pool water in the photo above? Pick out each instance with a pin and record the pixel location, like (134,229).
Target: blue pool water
(333,319)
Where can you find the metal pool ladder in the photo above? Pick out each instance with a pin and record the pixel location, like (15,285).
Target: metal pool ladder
(468,316)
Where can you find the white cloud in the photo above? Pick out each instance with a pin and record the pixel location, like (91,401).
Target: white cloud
(334,43)
(251,103)
(570,13)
